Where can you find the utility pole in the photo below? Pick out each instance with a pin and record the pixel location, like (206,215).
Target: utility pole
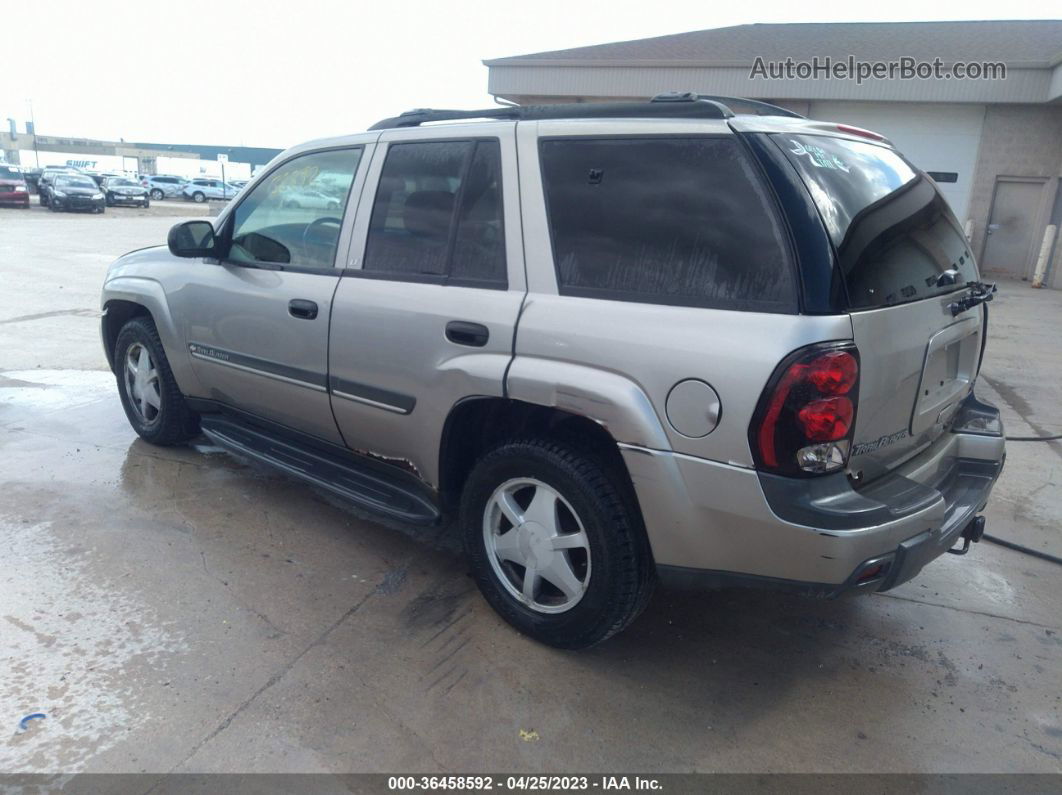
(33,123)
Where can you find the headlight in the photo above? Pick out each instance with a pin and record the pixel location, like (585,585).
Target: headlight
(58,194)
(97,195)
(20,189)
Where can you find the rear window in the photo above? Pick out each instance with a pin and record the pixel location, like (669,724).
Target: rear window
(682,221)
(10,172)
(895,235)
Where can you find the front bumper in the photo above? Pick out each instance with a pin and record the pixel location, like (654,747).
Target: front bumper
(13,197)
(124,199)
(78,203)
(718,525)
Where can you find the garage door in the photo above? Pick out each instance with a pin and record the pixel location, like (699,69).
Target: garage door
(935,137)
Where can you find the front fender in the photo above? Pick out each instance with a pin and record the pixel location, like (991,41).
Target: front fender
(611,400)
(149,293)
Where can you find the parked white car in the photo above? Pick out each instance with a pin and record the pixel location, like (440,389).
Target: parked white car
(311,199)
(199,190)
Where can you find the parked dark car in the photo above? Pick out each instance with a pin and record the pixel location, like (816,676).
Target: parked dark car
(74,192)
(13,186)
(122,190)
(32,177)
(48,175)
(100,176)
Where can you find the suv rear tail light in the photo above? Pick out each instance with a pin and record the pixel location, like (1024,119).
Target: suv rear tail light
(805,419)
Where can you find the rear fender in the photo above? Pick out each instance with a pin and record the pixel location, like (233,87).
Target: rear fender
(613,401)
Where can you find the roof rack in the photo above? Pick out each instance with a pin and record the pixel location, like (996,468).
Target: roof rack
(673,105)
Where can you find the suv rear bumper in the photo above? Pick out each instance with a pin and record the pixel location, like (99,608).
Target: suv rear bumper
(719,525)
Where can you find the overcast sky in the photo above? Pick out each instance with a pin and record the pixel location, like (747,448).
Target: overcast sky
(276,72)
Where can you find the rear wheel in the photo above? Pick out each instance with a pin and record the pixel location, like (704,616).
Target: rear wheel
(556,545)
(156,194)
(199,197)
(153,404)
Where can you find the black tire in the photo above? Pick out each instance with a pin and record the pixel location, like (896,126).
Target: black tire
(199,197)
(622,575)
(146,204)
(175,422)
(43,200)
(156,194)
(109,200)
(53,207)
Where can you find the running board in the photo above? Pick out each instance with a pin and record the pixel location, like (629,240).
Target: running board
(367,484)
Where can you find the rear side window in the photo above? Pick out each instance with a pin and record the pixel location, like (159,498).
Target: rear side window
(683,221)
(895,235)
(437,215)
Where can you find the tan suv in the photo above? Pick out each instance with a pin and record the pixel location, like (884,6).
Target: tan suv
(613,341)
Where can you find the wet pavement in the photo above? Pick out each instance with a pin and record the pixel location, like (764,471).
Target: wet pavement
(178,610)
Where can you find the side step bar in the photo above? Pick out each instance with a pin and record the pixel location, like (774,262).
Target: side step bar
(367,484)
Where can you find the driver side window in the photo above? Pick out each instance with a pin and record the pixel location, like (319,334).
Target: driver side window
(294,215)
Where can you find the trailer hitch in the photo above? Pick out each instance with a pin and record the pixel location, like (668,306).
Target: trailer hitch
(971,534)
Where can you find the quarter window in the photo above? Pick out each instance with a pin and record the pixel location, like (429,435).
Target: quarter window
(437,215)
(682,221)
(294,215)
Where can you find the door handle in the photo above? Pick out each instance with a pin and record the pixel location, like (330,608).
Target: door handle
(462,332)
(302,309)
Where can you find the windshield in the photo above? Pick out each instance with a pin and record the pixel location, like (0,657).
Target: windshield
(895,235)
(74,182)
(10,172)
(123,182)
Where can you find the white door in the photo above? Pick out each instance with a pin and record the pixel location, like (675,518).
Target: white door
(939,137)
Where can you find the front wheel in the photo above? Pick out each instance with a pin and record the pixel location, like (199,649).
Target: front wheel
(556,542)
(156,194)
(153,404)
(53,206)
(198,197)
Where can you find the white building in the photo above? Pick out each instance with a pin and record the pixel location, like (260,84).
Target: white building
(994,142)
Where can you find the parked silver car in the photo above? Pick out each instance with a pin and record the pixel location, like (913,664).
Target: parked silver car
(613,341)
(199,190)
(163,186)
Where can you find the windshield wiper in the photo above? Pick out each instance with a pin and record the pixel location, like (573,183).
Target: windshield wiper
(980,292)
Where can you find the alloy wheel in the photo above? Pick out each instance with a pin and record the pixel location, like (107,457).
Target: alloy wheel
(142,383)
(537,545)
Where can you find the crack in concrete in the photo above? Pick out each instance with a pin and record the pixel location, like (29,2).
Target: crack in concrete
(967,610)
(276,677)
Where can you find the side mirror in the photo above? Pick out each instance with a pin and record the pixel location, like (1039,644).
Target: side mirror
(192,239)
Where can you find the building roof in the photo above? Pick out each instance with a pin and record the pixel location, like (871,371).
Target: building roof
(1030,43)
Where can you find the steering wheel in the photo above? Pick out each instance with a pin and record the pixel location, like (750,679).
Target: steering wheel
(327,219)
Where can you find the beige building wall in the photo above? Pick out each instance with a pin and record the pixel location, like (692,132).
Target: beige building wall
(1018,141)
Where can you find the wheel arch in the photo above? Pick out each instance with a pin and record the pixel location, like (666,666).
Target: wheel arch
(477,424)
(126,297)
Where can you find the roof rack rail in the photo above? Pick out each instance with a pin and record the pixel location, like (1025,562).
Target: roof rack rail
(673,105)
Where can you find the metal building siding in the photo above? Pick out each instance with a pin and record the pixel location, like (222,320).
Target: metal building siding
(934,138)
